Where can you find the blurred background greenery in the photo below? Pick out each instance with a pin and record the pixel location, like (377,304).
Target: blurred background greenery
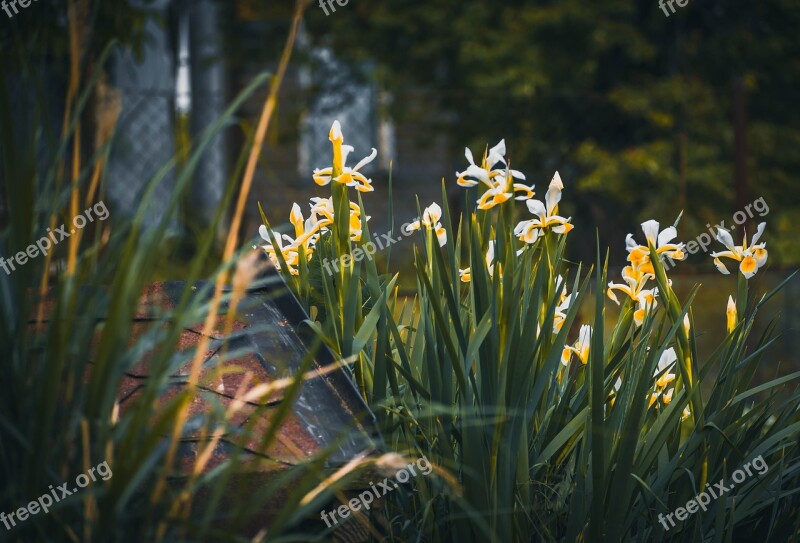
(645,115)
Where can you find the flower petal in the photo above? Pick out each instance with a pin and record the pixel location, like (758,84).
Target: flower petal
(366,160)
(667,235)
(441,235)
(721,267)
(724,237)
(468,154)
(667,359)
(537,207)
(552,198)
(650,229)
(748,267)
(336,132)
(758,233)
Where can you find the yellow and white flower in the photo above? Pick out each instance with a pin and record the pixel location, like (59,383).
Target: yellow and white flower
(731,314)
(751,258)
(306,231)
(647,302)
(430,220)
(289,252)
(580,348)
(504,189)
(664,377)
(562,308)
(499,181)
(324,208)
(547,213)
(635,280)
(661,240)
(346,175)
(466,273)
(486,172)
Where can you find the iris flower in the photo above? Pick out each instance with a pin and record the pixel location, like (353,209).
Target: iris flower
(563,306)
(499,181)
(324,208)
(664,377)
(504,189)
(639,255)
(430,219)
(306,231)
(351,177)
(486,172)
(580,348)
(750,258)
(731,314)
(290,252)
(635,280)
(547,215)
(466,273)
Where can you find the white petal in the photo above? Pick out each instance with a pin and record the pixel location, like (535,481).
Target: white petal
(264,233)
(630,244)
(468,154)
(585,335)
(497,153)
(668,358)
(758,233)
(366,160)
(432,214)
(650,229)
(552,198)
(556,181)
(517,174)
(490,254)
(296,215)
(611,295)
(441,235)
(667,235)
(561,228)
(346,150)
(724,237)
(336,131)
(478,173)
(536,207)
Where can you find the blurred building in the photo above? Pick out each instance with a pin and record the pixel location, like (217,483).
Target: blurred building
(185,77)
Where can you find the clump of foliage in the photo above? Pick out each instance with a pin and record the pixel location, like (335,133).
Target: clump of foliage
(554,432)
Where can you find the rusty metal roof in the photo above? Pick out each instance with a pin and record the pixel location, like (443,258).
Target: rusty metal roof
(267,342)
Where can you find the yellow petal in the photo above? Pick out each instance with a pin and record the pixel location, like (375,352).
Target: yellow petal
(731,314)
(748,266)
(665,379)
(441,235)
(345,179)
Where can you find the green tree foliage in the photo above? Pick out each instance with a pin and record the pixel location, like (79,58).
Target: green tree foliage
(638,105)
